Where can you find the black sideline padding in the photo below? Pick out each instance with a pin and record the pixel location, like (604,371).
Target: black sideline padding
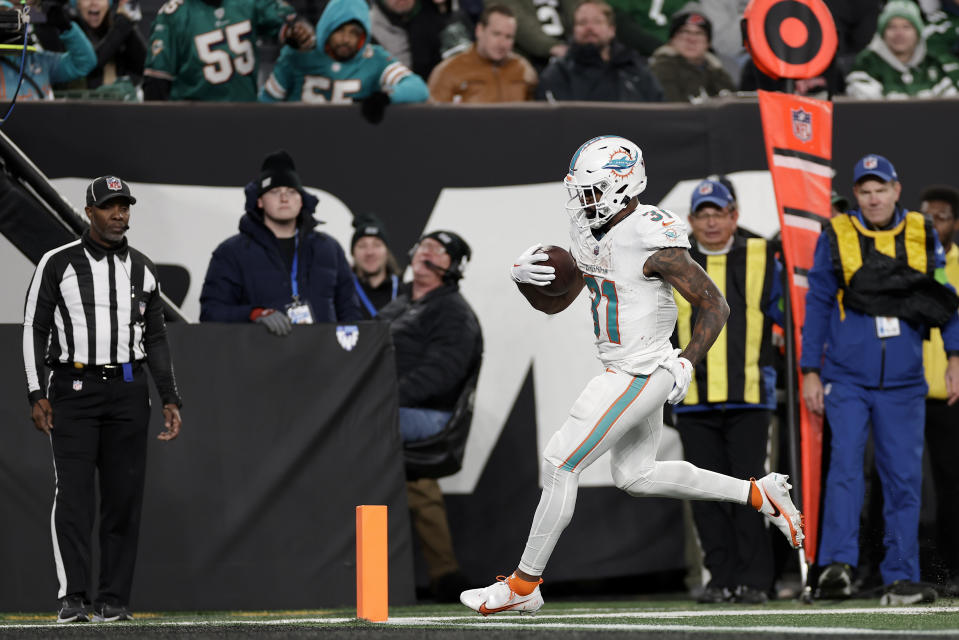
(253,506)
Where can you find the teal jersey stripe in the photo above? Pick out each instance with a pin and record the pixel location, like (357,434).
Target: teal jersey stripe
(606,422)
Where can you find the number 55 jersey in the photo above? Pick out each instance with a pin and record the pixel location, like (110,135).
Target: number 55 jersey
(633,315)
(208,50)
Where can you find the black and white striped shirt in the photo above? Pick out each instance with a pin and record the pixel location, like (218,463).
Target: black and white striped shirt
(91,305)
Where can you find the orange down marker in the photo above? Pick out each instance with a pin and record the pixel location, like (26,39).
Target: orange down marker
(372,584)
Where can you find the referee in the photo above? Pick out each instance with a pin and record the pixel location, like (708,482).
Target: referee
(93,316)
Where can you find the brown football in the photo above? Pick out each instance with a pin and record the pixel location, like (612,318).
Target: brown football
(566,271)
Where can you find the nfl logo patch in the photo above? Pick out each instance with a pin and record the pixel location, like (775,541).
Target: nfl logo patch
(802,124)
(114,184)
(143,308)
(348,336)
(77,385)
(870,162)
(705,188)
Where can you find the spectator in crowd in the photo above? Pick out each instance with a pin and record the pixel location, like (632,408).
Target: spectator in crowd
(376,274)
(120,48)
(896,63)
(278,271)
(871,297)
(856,22)
(418,33)
(94,317)
(206,49)
(726,40)
(42,69)
(651,15)
(724,419)
(684,66)
(942,29)
(346,68)
(941,205)
(438,345)
(542,28)
(597,67)
(488,71)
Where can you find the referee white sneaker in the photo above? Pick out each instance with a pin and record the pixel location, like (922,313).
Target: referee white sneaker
(500,597)
(779,507)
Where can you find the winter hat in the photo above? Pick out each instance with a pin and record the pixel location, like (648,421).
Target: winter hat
(278,170)
(694,18)
(457,249)
(368,225)
(900,9)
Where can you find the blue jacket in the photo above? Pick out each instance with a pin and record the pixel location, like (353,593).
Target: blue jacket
(43,68)
(247,271)
(850,350)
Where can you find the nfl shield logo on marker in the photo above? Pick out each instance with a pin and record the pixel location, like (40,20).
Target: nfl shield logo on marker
(802,124)
(348,336)
(114,184)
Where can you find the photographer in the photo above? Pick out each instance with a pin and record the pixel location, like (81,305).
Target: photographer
(44,68)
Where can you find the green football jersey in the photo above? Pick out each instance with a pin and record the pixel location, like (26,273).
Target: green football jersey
(652,15)
(209,52)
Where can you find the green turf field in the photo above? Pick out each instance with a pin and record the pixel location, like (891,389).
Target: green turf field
(558,619)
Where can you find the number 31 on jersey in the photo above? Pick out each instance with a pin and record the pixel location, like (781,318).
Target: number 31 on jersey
(597,291)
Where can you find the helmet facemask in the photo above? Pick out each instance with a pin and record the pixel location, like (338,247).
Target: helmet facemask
(604,176)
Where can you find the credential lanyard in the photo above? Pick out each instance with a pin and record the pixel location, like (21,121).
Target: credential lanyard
(296,256)
(366,300)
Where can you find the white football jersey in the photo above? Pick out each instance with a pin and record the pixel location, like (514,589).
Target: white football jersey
(633,316)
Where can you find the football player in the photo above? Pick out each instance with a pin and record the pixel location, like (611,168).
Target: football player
(630,256)
(345,68)
(206,49)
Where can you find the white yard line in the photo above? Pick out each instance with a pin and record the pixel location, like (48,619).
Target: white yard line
(539,620)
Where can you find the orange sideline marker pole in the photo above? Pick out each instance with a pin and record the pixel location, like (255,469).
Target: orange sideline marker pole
(372,584)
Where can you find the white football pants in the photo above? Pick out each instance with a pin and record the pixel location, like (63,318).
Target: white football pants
(624,414)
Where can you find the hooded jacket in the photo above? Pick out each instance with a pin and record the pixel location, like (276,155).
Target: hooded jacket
(314,76)
(877,73)
(684,81)
(583,75)
(846,346)
(247,271)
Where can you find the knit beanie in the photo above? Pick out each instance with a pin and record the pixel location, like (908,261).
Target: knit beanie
(278,170)
(694,18)
(368,225)
(900,9)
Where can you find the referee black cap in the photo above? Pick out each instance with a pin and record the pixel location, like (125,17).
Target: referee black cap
(106,188)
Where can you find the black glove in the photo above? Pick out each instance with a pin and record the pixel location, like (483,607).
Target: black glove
(374,107)
(57,16)
(302,37)
(276,322)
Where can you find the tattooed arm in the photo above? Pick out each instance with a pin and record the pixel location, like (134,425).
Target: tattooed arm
(676,267)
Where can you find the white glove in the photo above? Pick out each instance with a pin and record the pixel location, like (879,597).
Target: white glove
(526,270)
(682,371)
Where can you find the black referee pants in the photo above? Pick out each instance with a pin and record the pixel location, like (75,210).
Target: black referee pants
(100,426)
(736,546)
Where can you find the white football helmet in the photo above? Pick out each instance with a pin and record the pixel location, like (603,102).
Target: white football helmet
(604,175)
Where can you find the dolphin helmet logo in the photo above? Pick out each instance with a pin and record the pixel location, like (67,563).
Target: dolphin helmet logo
(621,162)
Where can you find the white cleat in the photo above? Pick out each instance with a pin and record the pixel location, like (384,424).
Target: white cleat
(779,507)
(499,597)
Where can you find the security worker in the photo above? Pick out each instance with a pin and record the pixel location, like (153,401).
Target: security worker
(724,419)
(93,315)
(874,289)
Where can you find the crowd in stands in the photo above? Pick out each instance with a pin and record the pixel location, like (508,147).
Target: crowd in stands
(378,52)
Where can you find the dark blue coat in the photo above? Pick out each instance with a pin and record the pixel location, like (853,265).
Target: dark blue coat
(247,271)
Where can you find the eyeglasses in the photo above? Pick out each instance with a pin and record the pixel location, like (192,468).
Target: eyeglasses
(718,215)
